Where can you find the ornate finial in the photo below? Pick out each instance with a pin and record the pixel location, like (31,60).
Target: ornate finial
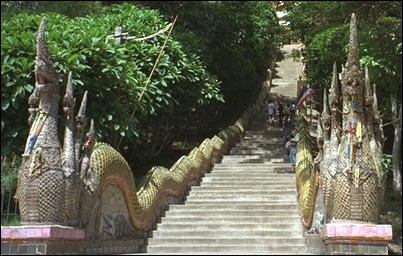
(353,44)
(368,89)
(319,130)
(85,169)
(90,140)
(352,76)
(69,86)
(44,70)
(325,102)
(41,47)
(91,132)
(68,100)
(334,90)
(81,120)
(369,97)
(81,123)
(83,107)
(69,160)
(375,104)
(326,116)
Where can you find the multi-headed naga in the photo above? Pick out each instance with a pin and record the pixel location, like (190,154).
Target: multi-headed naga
(351,170)
(47,176)
(94,191)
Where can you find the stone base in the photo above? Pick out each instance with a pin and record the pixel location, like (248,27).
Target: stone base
(359,239)
(45,232)
(50,240)
(46,239)
(314,244)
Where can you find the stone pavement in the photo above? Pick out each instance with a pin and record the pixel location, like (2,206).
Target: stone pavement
(285,78)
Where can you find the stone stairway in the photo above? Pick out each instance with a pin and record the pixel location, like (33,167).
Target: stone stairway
(247,204)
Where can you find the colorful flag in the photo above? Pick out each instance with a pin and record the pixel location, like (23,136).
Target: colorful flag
(303,94)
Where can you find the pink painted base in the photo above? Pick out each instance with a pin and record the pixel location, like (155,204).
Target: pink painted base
(52,232)
(356,233)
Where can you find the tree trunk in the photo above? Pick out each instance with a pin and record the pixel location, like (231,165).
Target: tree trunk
(396,153)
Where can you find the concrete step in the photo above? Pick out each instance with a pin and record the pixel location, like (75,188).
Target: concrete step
(249,174)
(259,146)
(260,143)
(266,149)
(230,249)
(243,179)
(244,156)
(218,227)
(243,197)
(262,138)
(219,212)
(227,241)
(248,193)
(274,132)
(242,188)
(222,233)
(273,183)
(271,159)
(247,160)
(259,151)
(277,150)
(234,202)
(232,219)
(230,168)
(233,207)
(266,134)
(251,183)
(234,190)
(255,160)
(275,153)
(253,165)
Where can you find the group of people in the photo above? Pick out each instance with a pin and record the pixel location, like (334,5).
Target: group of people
(283,115)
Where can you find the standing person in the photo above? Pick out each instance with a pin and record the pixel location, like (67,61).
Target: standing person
(280,112)
(271,111)
(291,145)
(291,112)
(286,128)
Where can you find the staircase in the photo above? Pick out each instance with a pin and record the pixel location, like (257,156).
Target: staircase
(247,204)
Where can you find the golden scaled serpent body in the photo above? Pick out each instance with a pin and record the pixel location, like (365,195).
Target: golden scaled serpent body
(110,168)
